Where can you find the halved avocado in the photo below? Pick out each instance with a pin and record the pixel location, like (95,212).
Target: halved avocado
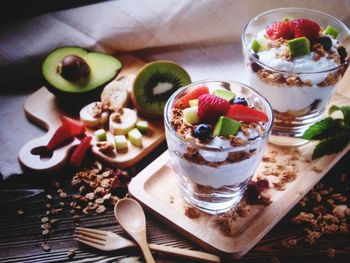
(77,76)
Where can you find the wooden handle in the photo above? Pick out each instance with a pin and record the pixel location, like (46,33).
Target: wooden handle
(146,251)
(185,253)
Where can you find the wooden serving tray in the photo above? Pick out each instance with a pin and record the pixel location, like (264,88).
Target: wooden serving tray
(157,184)
(42,109)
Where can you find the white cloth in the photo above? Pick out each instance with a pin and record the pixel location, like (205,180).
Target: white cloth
(203,36)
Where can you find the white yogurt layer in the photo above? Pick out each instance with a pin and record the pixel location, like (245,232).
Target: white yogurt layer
(292,98)
(216,177)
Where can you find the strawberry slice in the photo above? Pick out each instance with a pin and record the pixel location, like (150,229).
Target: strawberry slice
(281,29)
(61,136)
(79,152)
(76,127)
(244,113)
(305,28)
(183,102)
(211,107)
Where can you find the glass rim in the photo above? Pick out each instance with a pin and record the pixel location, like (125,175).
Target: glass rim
(250,143)
(246,48)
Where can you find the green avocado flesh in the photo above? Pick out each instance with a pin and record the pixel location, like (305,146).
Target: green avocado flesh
(103,68)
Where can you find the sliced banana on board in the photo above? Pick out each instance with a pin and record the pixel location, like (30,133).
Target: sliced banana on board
(122,121)
(117,92)
(90,119)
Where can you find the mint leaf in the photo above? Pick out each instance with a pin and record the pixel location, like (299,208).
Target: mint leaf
(345,110)
(323,129)
(331,145)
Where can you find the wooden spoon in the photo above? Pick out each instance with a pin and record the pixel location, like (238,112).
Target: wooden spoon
(132,218)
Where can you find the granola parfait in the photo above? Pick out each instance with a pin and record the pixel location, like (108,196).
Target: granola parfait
(216,133)
(295,57)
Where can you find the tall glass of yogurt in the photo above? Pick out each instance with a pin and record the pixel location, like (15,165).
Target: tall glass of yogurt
(298,85)
(214,173)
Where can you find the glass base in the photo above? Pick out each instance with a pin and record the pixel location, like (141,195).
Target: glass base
(286,140)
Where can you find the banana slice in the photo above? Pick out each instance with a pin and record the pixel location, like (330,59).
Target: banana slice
(117,92)
(122,121)
(89,117)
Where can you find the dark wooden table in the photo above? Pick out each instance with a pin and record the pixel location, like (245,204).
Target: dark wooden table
(21,236)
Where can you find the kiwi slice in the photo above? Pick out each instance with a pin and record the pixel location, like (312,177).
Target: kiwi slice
(155,83)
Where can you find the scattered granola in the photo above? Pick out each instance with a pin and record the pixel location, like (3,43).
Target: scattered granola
(192,212)
(71,253)
(45,246)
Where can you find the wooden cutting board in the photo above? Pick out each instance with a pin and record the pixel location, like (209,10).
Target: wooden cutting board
(42,109)
(157,189)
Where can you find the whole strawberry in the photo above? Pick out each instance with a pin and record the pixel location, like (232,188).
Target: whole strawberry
(211,107)
(305,28)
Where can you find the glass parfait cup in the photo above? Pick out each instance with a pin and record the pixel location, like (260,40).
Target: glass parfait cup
(298,99)
(214,178)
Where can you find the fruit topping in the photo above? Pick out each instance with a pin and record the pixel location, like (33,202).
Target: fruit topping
(92,115)
(305,28)
(101,135)
(226,126)
(281,29)
(256,46)
(202,131)
(183,102)
(342,54)
(76,127)
(61,136)
(120,142)
(142,126)
(239,100)
(155,83)
(224,94)
(332,31)
(191,115)
(116,93)
(122,121)
(211,107)
(193,102)
(246,114)
(326,42)
(79,152)
(299,46)
(135,137)
(74,68)
(254,66)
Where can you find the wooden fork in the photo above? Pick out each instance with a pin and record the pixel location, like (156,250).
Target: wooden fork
(107,241)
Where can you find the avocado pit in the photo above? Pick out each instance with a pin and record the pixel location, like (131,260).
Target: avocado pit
(73,68)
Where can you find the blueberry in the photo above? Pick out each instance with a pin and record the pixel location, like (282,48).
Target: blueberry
(342,53)
(326,42)
(202,131)
(255,66)
(239,100)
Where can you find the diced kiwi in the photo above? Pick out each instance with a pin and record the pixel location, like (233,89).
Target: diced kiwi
(120,142)
(256,46)
(101,135)
(226,126)
(332,31)
(193,102)
(299,46)
(191,115)
(224,94)
(155,83)
(142,126)
(285,19)
(135,137)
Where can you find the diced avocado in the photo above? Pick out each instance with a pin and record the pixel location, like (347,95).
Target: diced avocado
(135,137)
(332,31)
(224,94)
(256,46)
(299,46)
(101,135)
(226,126)
(193,102)
(120,142)
(142,126)
(76,76)
(191,115)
